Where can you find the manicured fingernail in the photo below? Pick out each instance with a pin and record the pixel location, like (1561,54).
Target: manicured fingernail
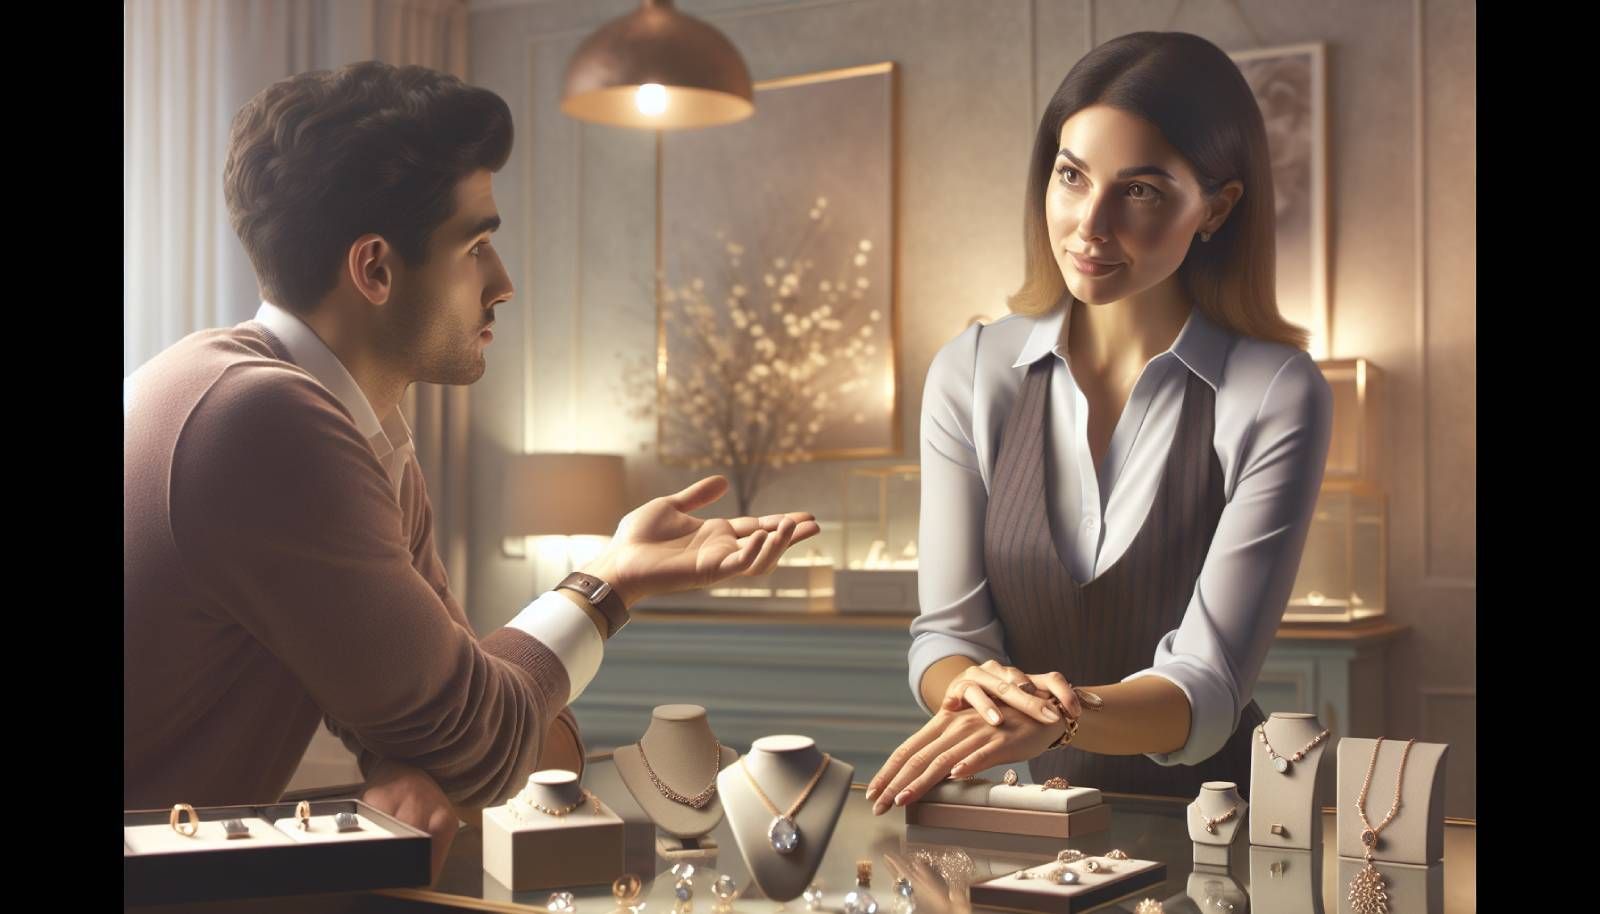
(993,716)
(902,798)
(879,807)
(957,768)
(871,792)
(1051,715)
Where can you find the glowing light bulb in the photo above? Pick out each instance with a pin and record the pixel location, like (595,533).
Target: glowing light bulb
(651,99)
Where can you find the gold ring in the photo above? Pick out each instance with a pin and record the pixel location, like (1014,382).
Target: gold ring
(1070,856)
(1055,784)
(625,889)
(302,811)
(1116,855)
(190,827)
(1010,777)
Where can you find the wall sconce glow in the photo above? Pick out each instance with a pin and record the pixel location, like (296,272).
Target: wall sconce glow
(651,99)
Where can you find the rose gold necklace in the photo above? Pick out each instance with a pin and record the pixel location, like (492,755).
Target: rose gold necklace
(1367,892)
(700,799)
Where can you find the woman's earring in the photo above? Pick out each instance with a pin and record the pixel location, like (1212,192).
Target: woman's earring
(1205,236)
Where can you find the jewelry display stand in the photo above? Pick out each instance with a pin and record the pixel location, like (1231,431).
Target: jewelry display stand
(1014,809)
(1215,799)
(161,865)
(1038,890)
(1411,889)
(1287,796)
(1213,889)
(1416,834)
(680,749)
(782,766)
(1286,880)
(524,848)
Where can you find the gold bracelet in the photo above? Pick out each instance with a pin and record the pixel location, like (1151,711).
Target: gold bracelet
(1071,726)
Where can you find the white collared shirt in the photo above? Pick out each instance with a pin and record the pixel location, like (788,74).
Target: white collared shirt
(552,618)
(1273,424)
(390,437)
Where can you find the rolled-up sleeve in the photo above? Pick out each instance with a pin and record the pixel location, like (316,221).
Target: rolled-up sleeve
(956,616)
(1218,649)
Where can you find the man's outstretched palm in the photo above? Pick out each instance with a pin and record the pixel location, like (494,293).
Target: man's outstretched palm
(661,548)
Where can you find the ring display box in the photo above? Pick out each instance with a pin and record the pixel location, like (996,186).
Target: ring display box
(1020,809)
(162,866)
(1040,892)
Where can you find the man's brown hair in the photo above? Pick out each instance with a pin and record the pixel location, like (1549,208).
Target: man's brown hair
(317,160)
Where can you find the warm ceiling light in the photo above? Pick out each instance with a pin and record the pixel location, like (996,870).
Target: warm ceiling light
(659,69)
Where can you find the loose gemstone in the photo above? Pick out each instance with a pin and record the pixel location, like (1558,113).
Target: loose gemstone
(562,903)
(683,870)
(683,890)
(902,887)
(813,896)
(725,888)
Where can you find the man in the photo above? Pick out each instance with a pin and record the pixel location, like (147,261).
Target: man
(279,566)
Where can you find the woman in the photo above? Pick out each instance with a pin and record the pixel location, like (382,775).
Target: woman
(1118,477)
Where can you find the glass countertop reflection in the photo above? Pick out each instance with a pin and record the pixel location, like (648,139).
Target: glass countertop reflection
(943,863)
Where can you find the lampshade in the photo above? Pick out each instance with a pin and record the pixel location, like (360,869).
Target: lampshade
(657,68)
(564,495)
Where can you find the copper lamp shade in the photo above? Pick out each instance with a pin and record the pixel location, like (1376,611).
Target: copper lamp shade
(659,69)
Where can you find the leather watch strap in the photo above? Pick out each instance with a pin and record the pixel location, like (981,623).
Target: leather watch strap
(601,596)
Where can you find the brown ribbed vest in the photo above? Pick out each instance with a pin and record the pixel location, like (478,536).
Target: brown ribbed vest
(1100,632)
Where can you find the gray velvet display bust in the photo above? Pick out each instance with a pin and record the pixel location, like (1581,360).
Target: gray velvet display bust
(782,766)
(686,758)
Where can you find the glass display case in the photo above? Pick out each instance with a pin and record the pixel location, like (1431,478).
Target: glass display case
(1343,571)
(1359,401)
(879,519)
(1343,574)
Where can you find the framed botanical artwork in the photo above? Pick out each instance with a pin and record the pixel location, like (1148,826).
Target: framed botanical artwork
(1290,86)
(775,280)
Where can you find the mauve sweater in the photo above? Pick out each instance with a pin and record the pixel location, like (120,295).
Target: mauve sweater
(272,580)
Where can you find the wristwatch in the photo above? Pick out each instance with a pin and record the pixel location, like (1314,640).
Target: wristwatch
(600,596)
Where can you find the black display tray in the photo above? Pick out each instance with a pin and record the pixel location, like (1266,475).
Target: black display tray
(236,870)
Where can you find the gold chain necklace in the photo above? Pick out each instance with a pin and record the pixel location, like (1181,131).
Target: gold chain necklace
(783,832)
(1279,762)
(1367,892)
(1211,824)
(700,799)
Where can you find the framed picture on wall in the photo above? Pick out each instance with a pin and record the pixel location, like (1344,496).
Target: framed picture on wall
(775,278)
(1290,85)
